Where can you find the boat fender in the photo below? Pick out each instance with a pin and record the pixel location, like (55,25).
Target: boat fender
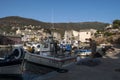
(17,53)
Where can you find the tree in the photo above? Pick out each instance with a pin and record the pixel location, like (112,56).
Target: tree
(116,24)
(107,34)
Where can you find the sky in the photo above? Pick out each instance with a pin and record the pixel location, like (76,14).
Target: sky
(62,10)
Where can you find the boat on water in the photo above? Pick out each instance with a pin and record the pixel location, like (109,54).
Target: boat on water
(85,51)
(11,64)
(50,55)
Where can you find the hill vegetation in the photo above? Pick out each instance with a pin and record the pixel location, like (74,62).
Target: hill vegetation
(7,23)
(12,23)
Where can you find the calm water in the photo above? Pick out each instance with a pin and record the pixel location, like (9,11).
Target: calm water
(31,71)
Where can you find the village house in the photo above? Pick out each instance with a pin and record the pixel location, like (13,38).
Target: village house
(86,34)
(79,36)
(30,35)
(110,29)
(36,35)
(67,37)
(56,35)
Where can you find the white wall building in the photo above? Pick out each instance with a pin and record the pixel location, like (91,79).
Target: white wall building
(81,35)
(86,34)
(68,36)
(56,35)
(75,33)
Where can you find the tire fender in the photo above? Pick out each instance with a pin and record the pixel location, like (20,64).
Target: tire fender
(17,53)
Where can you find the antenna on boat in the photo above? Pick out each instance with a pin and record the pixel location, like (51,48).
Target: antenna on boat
(52,18)
(52,22)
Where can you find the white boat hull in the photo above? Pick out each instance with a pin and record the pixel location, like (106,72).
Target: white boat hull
(49,61)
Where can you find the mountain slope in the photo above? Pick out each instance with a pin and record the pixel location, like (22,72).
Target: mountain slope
(7,23)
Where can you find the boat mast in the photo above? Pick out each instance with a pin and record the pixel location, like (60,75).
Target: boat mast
(54,43)
(52,19)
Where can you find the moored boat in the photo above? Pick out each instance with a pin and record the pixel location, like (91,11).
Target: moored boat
(50,55)
(84,51)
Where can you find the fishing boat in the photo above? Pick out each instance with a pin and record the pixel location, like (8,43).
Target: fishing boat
(49,55)
(11,64)
(83,51)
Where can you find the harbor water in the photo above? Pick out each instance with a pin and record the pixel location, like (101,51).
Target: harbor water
(30,71)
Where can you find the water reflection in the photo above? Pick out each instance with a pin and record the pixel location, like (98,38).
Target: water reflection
(30,71)
(34,70)
(10,77)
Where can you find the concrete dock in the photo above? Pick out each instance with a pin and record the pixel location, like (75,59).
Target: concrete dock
(108,69)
